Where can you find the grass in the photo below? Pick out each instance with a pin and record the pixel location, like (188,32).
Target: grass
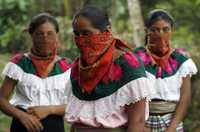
(4,122)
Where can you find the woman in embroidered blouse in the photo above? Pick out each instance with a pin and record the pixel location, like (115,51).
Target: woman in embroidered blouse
(169,70)
(108,88)
(40,80)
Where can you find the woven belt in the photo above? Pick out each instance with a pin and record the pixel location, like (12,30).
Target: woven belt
(162,107)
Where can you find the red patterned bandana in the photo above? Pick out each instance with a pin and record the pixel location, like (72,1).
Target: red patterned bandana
(163,61)
(159,44)
(93,46)
(159,48)
(96,51)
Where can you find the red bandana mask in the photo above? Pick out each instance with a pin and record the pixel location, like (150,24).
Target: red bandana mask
(159,48)
(93,46)
(89,76)
(43,54)
(159,44)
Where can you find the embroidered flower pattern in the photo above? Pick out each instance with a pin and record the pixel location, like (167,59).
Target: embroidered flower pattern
(131,59)
(159,72)
(114,74)
(172,63)
(145,57)
(74,72)
(64,65)
(168,69)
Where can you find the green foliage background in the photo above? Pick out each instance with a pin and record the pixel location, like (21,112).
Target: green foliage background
(15,16)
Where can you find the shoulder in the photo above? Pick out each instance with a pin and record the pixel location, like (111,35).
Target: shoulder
(186,64)
(18,58)
(14,68)
(181,52)
(22,60)
(180,55)
(131,64)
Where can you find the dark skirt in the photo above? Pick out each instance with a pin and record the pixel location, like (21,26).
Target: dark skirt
(52,123)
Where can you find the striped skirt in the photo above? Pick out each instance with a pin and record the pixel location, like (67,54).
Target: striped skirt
(157,123)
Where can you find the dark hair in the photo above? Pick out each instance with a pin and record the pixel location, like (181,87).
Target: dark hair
(96,16)
(158,14)
(40,19)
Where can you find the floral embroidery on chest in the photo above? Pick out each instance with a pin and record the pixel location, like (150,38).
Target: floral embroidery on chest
(175,60)
(123,70)
(25,63)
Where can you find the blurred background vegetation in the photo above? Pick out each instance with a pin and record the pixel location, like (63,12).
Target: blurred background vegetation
(15,17)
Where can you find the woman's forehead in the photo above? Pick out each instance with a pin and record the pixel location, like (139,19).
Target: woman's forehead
(46,26)
(160,23)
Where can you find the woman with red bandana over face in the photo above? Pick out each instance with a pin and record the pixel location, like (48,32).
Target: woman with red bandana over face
(39,78)
(169,70)
(108,88)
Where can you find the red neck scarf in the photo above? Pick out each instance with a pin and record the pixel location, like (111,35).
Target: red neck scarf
(163,61)
(96,52)
(43,57)
(158,47)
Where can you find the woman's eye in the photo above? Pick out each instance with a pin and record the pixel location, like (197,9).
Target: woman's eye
(38,34)
(166,29)
(85,33)
(50,33)
(158,30)
(153,29)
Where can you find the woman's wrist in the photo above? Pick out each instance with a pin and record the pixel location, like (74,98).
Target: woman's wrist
(173,125)
(19,114)
(56,109)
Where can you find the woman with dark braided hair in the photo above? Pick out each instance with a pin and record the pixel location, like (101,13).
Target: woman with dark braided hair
(169,70)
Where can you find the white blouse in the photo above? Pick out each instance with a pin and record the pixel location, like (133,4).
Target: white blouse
(32,90)
(109,111)
(169,88)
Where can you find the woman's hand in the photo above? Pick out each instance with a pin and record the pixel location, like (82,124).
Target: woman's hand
(40,112)
(31,123)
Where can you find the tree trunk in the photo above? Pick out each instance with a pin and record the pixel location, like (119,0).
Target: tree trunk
(136,21)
